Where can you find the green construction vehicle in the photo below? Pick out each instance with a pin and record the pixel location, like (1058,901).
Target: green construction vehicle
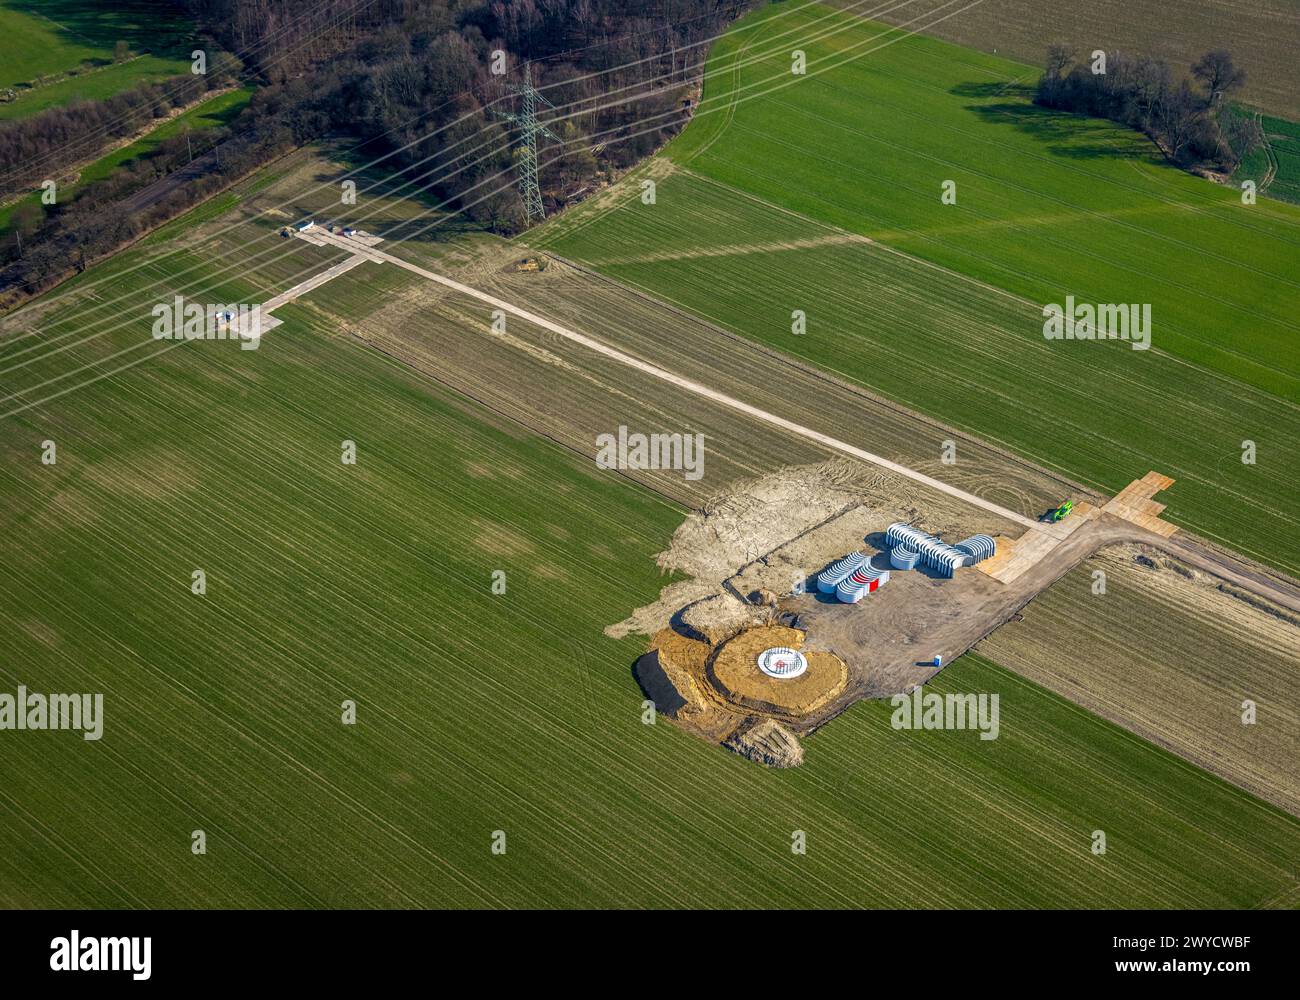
(1061,512)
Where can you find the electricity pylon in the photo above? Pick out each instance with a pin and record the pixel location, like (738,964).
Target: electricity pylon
(530,128)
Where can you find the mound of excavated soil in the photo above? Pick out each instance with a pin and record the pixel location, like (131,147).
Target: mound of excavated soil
(689,655)
(768,742)
(720,616)
(734,672)
(672,674)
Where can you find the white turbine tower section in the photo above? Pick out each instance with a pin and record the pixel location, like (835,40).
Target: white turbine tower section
(782,662)
(979,547)
(902,557)
(938,555)
(831,577)
(866,579)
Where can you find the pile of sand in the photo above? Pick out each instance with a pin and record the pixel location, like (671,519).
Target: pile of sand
(768,743)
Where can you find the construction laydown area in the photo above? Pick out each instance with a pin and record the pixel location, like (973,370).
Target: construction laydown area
(705,669)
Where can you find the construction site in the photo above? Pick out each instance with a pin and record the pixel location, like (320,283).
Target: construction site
(865,603)
(974,544)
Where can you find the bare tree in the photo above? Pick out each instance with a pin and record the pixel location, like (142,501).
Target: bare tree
(1151,78)
(1219,75)
(1059,60)
(1176,115)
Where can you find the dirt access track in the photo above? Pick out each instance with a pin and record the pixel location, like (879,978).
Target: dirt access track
(697,388)
(1081,542)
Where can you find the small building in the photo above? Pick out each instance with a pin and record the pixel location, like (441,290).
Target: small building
(303,226)
(349,231)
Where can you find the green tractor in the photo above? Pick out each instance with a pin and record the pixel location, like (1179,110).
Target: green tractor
(1061,512)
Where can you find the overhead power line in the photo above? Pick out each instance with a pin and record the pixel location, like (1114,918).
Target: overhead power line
(529,127)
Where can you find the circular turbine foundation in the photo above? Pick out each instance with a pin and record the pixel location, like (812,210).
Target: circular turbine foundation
(782,662)
(763,669)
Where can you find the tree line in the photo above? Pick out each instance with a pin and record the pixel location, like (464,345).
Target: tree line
(1192,120)
(34,148)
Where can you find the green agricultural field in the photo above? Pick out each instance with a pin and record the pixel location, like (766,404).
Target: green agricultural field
(940,306)
(476,711)
(56,51)
(1277,164)
(1260,33)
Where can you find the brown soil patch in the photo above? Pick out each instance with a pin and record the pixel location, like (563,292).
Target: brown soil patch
(770,743)
(497,540)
